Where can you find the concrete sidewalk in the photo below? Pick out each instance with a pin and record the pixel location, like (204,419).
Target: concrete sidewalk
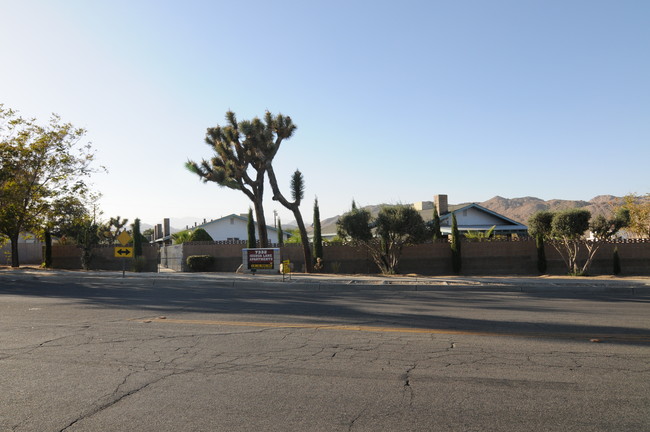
(597,284)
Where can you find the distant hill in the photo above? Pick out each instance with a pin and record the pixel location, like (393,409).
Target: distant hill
(521,209)
(518,209)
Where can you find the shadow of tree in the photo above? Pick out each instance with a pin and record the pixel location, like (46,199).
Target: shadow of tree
(495,313)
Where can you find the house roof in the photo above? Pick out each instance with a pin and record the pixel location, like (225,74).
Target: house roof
(508,224)
(236,216)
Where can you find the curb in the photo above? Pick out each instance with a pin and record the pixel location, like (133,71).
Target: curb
(629,288)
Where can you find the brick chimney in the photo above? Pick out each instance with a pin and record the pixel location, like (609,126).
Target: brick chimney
(441,204)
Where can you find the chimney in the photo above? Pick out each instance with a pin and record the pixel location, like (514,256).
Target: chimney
(166,230)
(441,204)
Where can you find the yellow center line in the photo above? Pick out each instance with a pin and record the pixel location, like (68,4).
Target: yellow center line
(361,328)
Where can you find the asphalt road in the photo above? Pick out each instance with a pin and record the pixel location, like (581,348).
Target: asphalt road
(95,352)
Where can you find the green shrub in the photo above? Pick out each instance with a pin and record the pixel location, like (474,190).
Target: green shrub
(200,263)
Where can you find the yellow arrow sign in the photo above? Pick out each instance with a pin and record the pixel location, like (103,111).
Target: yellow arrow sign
(124,238)
(124,252)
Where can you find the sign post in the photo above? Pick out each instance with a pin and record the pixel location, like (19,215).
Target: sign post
(286,269)
(124,251)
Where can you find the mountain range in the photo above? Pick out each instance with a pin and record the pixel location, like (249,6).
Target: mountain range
(517,209)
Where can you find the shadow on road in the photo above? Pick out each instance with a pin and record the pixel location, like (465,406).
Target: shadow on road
(482,311)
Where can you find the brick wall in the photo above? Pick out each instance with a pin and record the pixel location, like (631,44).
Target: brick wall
(478,258)
(69,257)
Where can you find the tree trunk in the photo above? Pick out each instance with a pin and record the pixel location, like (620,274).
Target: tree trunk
(592,248)
(295,208)
(47,261)
(15,262)
(306,250)
(261,223)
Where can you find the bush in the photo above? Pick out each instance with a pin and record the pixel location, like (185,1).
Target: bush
(200,263)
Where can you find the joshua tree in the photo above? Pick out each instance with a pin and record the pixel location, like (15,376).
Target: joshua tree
(297,194)
(243,151)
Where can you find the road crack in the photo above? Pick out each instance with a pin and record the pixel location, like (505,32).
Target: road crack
(117,397)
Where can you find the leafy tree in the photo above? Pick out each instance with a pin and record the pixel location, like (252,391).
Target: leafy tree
(568,228)
(539,224)
(604,229)
(65,218)
(456,258)
(243,152)
(148,233)
(566,232)
(395,227)
(355,225)
(398,226)
(88,237)
(318,238)
(294,237)
(40,165)
(639,208)
(252,242)
(280,233)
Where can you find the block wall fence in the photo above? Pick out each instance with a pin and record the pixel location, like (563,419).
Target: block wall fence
(478,258)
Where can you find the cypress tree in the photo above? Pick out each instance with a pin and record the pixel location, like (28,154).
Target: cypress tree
(252,242)
(455,245)
(137,238)
(280,234)
(318,238)
(437,234)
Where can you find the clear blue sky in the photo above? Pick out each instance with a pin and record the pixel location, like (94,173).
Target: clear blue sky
(394,101)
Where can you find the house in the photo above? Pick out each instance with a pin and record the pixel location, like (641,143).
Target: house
(471,217)
(235,228)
